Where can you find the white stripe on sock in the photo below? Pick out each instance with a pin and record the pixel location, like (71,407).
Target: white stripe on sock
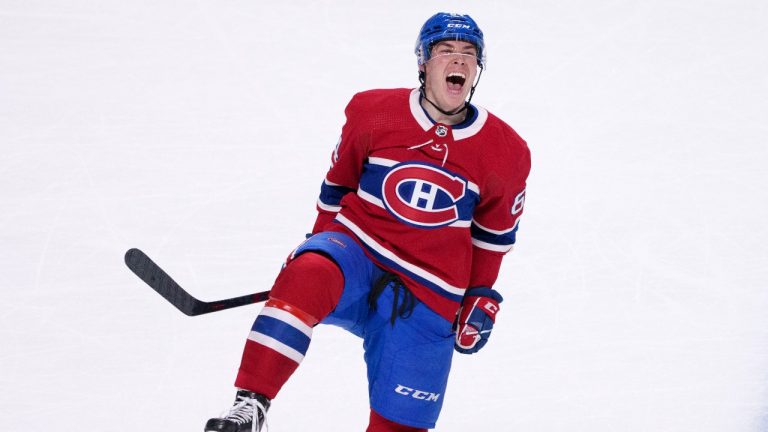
(276,345)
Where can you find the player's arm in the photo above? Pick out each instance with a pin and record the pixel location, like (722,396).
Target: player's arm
(490,245)
(494,232)
(496,220)
(346,167)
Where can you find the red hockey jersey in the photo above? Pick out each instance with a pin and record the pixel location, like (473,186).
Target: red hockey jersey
(427,201)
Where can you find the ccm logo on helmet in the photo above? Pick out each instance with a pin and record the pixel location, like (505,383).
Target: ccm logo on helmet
(463,26)
(423,195)
(417,394)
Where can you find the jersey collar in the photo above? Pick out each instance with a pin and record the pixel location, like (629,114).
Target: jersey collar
(468,130)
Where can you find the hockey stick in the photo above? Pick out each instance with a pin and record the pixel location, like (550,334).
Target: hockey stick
(160,281)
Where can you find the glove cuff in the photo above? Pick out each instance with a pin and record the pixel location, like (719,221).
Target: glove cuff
(484,292)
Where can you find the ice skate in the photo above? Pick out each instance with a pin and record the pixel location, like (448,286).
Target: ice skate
(248,414)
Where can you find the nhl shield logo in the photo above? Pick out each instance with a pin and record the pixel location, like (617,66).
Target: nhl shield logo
(441,131)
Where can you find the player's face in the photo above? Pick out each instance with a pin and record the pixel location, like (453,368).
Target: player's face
(451,70)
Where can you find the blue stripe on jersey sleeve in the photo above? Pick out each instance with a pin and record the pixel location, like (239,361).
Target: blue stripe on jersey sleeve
(283,332)
(506,239)
(332,195)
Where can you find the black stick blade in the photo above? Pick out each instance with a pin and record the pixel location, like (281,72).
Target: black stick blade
(154,276)
(161,282)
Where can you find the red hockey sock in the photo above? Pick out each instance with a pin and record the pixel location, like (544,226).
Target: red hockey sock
(304,293)
(312,282)
(377,423)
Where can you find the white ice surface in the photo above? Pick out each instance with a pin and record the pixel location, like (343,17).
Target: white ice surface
(199,131)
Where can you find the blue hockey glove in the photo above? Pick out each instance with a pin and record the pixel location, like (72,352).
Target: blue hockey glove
(475,319)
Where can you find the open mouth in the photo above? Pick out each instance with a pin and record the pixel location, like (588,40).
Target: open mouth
(456,80)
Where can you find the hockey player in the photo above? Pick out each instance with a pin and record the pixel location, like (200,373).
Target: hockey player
(420,204)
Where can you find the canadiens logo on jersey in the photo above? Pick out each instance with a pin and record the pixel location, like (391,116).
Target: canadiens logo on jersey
(423,195)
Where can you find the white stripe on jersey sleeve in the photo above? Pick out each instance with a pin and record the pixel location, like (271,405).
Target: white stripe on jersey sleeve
(497,232)
(329,208)
(492,247)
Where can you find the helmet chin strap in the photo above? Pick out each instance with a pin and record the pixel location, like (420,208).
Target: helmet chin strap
(423,91)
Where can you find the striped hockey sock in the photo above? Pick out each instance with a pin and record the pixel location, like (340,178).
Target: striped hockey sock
(305,292)
(276,345)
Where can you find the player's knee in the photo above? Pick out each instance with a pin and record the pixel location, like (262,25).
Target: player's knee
(311,282)
(377,423)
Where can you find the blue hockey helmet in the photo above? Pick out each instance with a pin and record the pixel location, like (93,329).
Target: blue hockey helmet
(447,26)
